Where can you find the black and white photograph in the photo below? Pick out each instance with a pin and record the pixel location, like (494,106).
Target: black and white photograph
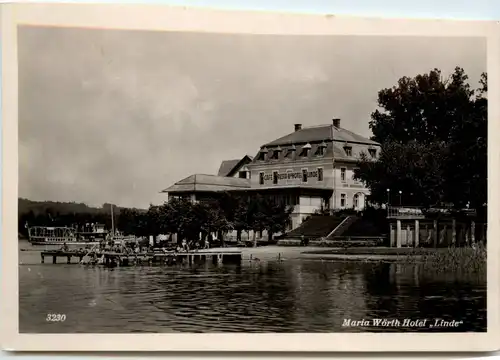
(209,182)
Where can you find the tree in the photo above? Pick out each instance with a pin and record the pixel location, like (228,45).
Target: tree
(467,166)
(256,216)
(278,217)
(425,109)
(154,223)
(212,218)
(414,169)
(433,133)
(176,217)
(235,209)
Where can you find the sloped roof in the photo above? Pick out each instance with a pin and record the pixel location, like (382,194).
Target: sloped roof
(227,167)
(202,182)
(335,149)
(320,133)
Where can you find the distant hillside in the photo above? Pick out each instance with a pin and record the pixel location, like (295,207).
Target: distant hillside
(42,207)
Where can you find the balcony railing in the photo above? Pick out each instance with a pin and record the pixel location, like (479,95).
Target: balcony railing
(404,211)
(420,212)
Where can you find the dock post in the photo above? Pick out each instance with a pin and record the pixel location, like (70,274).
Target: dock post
(454,232)
(398,233)
(69,259)
(54,259)
(43,258)
(435,233)
(417,233)
(408,236)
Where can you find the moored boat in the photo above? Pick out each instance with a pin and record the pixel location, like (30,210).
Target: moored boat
(87,234)
(53,235)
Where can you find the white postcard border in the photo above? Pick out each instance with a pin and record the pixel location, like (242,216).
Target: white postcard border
(163,18)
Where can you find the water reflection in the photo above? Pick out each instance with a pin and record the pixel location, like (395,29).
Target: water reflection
(289,296)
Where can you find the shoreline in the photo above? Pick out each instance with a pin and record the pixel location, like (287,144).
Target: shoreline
(286,253)
(359,257)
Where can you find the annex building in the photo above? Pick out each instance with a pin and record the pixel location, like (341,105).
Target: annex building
(310,168)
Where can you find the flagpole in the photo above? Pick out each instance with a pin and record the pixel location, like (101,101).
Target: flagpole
(112,222)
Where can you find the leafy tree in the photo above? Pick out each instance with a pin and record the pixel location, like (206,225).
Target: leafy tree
(256,216)
(177,217)
(213,219)
(278,217)
(433,133)
(414,169)
(235,209)
(466,169)
(425,109)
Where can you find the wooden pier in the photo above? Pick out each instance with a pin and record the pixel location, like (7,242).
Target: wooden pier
(112,259)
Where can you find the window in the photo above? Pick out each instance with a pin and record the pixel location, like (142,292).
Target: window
(342,200)
(348,150)
(243,175)
(304,175)
(288,178)
(261,178)
(275,177)
(320,151)
(305,150)
(276,153)
(356,201)
(262,154)
(342,174)
(320,174)
(372,152)
(290,152)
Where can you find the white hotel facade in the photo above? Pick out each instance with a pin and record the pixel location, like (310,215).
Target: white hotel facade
(310,168)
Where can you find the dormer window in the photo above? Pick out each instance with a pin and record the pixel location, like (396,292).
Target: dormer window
(348,149)
(291,151)
(276,153)
(262,154)
(373,152)
(243,174)
(305,150)
(320,151)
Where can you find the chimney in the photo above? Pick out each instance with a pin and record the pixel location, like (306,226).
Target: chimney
(298,127)
(336,123)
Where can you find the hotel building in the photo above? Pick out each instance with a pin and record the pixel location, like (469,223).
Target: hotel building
(310,168)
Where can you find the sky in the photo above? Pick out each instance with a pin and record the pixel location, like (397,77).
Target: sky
(115,116)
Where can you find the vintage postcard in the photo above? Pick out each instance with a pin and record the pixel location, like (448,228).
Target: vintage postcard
(187,179)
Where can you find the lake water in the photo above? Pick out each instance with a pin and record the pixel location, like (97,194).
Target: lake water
(293,295)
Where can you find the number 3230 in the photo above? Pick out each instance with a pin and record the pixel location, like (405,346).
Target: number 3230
(55,317)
